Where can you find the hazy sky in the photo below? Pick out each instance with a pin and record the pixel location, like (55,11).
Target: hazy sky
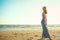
(28,11)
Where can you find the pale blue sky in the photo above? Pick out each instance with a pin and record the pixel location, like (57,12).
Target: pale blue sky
(28,11)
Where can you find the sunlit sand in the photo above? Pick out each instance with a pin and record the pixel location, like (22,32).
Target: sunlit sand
(28,35)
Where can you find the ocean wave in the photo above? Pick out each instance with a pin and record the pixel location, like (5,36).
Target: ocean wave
(26,27)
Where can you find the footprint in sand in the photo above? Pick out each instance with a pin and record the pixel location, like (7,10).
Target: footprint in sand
(29,39)
(15,33)
(53,36)
(0,36)
(39,39)
(36,35)
(5,36)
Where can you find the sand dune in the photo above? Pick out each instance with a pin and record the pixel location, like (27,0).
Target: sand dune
(28,35)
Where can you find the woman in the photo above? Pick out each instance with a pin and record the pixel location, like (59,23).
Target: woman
(45,33)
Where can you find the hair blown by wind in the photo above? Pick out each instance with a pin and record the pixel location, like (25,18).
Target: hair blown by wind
(45,9)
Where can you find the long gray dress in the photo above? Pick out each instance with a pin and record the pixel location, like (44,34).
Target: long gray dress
(45,33)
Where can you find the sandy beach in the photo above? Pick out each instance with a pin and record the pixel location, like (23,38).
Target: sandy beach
(28,35)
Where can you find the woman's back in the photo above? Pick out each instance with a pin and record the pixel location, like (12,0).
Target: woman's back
(44,18)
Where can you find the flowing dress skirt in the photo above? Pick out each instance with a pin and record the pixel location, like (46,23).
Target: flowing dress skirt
(45,33)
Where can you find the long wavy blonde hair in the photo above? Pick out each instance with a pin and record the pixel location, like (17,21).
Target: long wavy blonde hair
(45,9)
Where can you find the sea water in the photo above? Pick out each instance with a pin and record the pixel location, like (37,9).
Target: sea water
(26,27)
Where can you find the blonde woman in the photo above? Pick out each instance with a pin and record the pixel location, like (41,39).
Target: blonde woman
(45,33)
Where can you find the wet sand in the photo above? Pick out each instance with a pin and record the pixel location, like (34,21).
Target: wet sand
(28,35)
